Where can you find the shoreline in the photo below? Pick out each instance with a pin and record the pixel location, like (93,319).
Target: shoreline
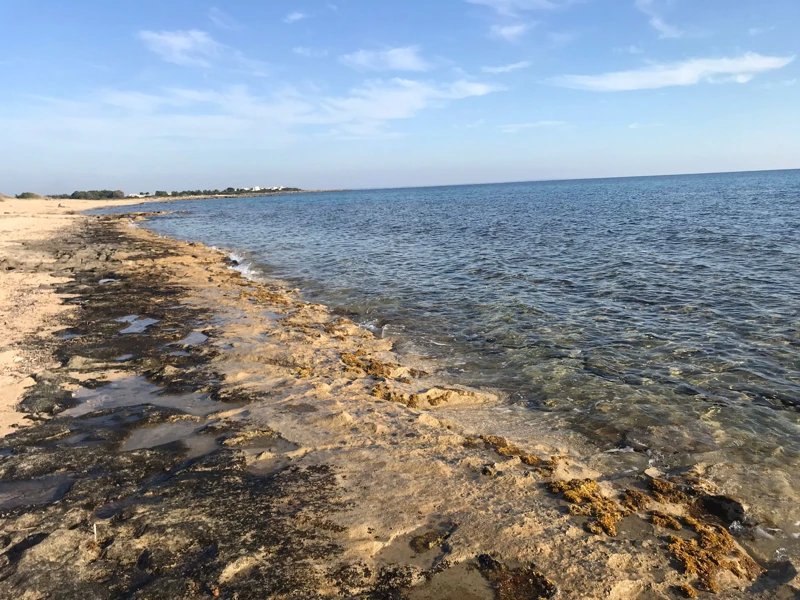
(263,400)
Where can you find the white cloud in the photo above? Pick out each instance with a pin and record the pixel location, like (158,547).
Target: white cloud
(688,72)
(234,113)
(507,68)
(632,49)
(191,48)
(754,31)
(309,52)
(295,16)
(512,8)
(198,49)
(394,59)
(510,33)
(379,101)
(222,19)
(517,127)
(657,22)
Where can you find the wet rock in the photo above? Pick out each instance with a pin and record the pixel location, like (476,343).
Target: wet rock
(47,396)
(724,508)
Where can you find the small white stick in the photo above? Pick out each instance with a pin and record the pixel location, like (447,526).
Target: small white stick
(95,533)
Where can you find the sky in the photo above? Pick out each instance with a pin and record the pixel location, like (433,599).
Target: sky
(320,94)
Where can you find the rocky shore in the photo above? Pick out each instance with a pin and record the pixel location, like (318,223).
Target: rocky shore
(182,432)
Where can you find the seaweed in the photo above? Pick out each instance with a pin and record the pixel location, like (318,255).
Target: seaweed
(712,552)
(660,519)
(634,501)
(422,543)
(586,500)
(503,447)
(521,583)
(667,492)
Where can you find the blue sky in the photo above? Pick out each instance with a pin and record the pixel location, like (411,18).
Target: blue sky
(176,94)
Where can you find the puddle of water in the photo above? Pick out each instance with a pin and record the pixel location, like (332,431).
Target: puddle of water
(124,358)
(139,326)
(136,391)
(179,353)
(158,435)
(128,319)
(195,338)
(44,490)
(104,281)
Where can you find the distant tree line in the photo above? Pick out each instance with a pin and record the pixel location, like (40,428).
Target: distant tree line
(119,194)
(91,195)
(231,191)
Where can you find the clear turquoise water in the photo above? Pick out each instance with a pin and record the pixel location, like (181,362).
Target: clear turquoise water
(661,313)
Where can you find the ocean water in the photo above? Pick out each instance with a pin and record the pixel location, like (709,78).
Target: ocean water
(657,314)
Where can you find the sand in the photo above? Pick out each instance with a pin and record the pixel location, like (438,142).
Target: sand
(314,460)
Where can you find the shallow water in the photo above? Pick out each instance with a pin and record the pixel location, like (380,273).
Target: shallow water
(658,314)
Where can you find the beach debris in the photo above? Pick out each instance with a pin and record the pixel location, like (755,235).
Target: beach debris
(709,554)
(585,499)
(521,583)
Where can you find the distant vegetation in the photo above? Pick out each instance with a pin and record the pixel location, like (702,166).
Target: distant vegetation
(231,191)
(28,195)
(91,195)
(119,194)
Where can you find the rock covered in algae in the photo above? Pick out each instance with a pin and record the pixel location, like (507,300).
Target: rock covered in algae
(504,448)
(687,591)
(712,552)
(667,492)
(634,501)
(666,521)
(427,541)
(521,583)
(586,500)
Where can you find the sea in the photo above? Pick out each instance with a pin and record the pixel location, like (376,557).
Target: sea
(656,320)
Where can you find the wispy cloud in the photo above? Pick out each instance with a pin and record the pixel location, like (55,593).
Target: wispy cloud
(689,72)
(512,8)
(645,125)
(295,16)
(191,48)
(196,48)
(561,38)
(656,20)
(234,113)
(310,52)
(222,19)
(510,33)
(632,49)
(507,68)
(517,127)
(754,31)
(407,58)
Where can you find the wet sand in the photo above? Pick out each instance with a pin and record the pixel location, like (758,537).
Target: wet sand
(226,439)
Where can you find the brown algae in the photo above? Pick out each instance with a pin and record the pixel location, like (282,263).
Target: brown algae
(711,553)
(586,500)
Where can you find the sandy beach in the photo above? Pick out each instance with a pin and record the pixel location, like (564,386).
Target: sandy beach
(175,430)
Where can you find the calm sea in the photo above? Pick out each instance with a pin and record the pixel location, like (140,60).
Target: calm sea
(660,314)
